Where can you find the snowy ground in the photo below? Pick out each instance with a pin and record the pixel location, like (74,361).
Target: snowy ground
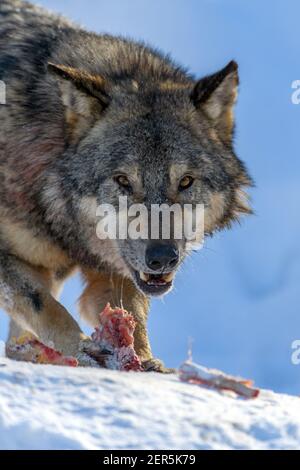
(47,407)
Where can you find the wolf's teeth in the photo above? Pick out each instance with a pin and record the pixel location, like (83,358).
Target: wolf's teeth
(168,277)
(144,276)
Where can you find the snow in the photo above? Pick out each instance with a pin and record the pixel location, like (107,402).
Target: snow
(50,407)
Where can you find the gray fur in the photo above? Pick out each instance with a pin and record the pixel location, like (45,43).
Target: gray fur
(82,108)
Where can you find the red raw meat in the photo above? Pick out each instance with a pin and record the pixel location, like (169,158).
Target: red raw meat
(28,348)
(111,346)
(114,340)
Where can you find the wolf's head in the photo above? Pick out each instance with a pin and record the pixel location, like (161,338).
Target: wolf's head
(157,136)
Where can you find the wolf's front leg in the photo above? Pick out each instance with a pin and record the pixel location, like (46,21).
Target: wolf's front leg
(119,291)
(26,297)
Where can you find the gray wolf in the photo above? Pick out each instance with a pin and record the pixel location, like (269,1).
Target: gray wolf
(89,118)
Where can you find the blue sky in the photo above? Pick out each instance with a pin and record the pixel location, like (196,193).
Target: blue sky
(239,297)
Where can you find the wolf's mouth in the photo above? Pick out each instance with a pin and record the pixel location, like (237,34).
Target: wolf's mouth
(154,284)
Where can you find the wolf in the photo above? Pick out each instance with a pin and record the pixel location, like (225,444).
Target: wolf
(89,118)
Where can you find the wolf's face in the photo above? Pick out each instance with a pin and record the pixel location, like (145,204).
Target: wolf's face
(156,143)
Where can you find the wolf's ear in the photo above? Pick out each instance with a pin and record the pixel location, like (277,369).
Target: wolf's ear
(84,95)
(216,95)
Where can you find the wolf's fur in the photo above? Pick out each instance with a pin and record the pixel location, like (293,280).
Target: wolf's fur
(82,108)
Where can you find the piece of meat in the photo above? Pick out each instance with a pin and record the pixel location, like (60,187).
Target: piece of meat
(114,341)
(28,348)
(196,374)
(112,345)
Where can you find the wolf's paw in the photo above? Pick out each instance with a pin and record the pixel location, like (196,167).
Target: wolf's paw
(156,365)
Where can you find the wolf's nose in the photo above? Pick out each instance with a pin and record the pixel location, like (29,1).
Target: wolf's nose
(161,256)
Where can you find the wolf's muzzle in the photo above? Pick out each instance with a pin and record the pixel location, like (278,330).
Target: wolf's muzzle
(161,256)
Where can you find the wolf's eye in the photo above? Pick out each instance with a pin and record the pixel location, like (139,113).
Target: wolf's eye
(123,181)
(186,183)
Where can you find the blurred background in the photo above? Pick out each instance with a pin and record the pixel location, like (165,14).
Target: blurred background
(238,298)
